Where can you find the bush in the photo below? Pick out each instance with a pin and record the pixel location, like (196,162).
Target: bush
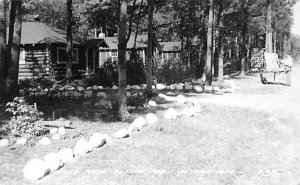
(24,119)
(136,100)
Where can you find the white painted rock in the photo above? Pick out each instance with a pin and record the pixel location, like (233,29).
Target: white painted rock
(56,136)
(196,107)
(115,87)
(197,88)
(135,87)
(228,90)
(232,84)
(4,143)
(208,88)
(170,114)
(53,161)
(61,131)
(97,140)
(121,134)
(162,95)
(95,87)
(181,99)
(188,86)
(170,98)
(143,86)
(21,141)
(44,141)
(53,130)
(188,112)
(160,86)
(100,87)
(89,88)
(35,169)
(172,87)
(82,147)
(179,86)
(137,124)
(151,118)
(152,103)
(216,88)
(66,155)
(101,94)
(128,87)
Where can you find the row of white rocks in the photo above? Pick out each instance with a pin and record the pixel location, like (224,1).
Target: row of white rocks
(37,168)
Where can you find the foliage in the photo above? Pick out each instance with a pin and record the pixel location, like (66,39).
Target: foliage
(135,70)
(24,119)
(173,71)
(136,100)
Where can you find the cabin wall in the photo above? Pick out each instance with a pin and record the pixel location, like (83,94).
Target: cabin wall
(34,63)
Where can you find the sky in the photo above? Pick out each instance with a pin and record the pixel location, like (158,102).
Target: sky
(296,26)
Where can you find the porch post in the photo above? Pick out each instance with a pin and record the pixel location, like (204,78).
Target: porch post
(94,59)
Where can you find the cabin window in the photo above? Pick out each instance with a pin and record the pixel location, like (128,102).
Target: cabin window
(114,53)
(22,56)
(62,55)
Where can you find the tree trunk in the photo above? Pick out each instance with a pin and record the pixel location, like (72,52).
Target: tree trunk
(3,46)
(69,75)
(269,44)
(137,24)
(244,35)
(209,60)
(149,50)
(220,44)
(221,62)
(123,113)
(13,67)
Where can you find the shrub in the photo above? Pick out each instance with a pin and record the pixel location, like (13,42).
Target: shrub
(24,119)
(136,100)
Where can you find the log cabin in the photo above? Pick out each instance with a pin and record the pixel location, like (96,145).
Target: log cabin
(43,52)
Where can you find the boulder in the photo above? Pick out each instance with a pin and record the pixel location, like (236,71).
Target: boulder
(101,94)
(160,87)
(53,161)
(124,133)
(172,87)
(21,141)
(77,94)
(188,86)
(108,139)
(188,112)
(100,87)
(179,86)
(35,169)
(53,130)
(115,87)
(4,143)
(61,131)
(231,84)
(82,147)
(135,87)
(151,118)
(56,136)
(208,88)
(170,114)
(228,90)
(198,88)
(80,89)
(162,95)
(137,124)
(216,88)
(44,141)
(66,155)
(170,98)
(97,140)
(152,103)
(89,88)
(88,94)
(180,99)
(143,86)
(95,87)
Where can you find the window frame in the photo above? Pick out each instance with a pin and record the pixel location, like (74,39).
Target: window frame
(76,61)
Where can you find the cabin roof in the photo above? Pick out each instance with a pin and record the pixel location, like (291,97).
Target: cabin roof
(112,42)
(40,33)
(170,46)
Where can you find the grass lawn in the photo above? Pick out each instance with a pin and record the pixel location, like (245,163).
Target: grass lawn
(220,145)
